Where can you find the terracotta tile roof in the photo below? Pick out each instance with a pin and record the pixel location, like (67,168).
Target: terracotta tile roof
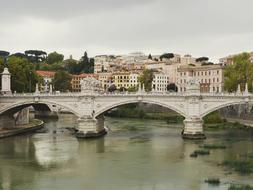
(46,73)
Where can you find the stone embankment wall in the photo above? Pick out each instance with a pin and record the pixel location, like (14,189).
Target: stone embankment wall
(244,111)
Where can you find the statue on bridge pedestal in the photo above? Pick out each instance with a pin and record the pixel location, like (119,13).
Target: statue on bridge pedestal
(193,85)
(90,85)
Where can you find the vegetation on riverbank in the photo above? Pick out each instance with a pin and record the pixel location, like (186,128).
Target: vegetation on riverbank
(243,164)
(213,181)
(212,121)
(240,187)
(201,152)
(134,111)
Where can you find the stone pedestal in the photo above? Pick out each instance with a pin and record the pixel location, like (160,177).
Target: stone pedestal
(6,82)
(89,127)
(193,129)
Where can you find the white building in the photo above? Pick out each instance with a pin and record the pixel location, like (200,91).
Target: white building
(133,79)
(160,82)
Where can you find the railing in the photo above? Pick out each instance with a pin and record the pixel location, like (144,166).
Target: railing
(153,93)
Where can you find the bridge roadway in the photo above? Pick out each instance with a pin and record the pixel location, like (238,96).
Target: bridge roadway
(90,107)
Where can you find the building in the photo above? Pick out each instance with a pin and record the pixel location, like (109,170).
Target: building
(160,82)
(133,79)
(225,61)
(105,79)
(76,81)
(210,77)
(121,80)
(47,80)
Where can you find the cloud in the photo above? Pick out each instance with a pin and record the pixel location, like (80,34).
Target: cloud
(212,28)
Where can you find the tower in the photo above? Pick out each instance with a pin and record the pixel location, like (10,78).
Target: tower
(6,82)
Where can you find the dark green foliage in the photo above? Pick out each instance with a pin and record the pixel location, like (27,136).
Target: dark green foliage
(207,63)
(4,53)
(240,187)
(213,146)
(150,56)
(166,56)
(62,81)
(192,65)
(241,166)
(36,56)
(172,87)
(212,118)
(202,59)
(22,74)
(146,78)
(112,88)
(239,73)
(196,153)
(213,181)
(54,57)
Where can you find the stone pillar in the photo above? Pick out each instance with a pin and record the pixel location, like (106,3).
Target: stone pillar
(193,128)
(22,117)
(89,127)
(6,81)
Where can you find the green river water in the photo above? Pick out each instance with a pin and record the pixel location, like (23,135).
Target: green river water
(134,155)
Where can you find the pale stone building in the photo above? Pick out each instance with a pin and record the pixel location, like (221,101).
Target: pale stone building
(160,82)
(105,79)
(210,77)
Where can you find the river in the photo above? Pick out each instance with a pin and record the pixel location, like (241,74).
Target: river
(135,155)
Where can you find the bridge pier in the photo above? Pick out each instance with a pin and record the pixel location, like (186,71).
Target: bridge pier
(193,129)
(89,127)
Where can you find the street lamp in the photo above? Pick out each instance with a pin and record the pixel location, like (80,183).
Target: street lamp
(30,82)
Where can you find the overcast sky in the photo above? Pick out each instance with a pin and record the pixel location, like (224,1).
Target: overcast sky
(213,28)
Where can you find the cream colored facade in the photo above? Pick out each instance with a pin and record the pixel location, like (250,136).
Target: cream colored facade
(210,77)
(160,82)
(105,79)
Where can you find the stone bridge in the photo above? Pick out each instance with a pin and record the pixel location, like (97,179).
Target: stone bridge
(89,107)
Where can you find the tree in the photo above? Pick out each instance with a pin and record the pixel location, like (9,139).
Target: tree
(54,57)
(166,56)
(150,56)
(71,66)
(20,55)
(112,88)
(239,73)
(62,81)
(23,75)
(36,56)
(3,56)
(172,87)
(132,89)
(86,65)
(146,78)
(202,59)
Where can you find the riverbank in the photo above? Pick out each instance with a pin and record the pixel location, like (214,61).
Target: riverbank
(211,122)
(34,125)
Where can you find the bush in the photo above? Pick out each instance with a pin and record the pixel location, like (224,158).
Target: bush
(240,187)
(213,181)
(213,146)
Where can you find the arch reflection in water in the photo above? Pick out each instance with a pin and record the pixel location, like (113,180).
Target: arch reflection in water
(52,149)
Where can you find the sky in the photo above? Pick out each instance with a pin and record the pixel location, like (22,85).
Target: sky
(212,28)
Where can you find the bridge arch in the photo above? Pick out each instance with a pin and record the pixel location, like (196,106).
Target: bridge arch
(223,105)
(15,107)
(117,104)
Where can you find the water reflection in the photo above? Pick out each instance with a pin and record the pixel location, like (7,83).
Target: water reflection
(136,154)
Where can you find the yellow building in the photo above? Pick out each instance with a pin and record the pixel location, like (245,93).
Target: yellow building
(121,79)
